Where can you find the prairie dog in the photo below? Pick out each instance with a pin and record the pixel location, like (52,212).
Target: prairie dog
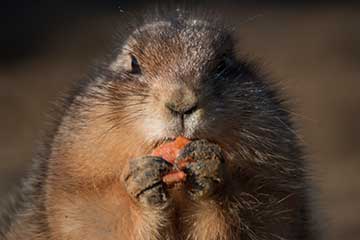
(176,76)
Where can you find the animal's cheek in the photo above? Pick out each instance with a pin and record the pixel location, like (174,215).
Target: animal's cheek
(210,116)
(157,125)
(153,127)
(211,124)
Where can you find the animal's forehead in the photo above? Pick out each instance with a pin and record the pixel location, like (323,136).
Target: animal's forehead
(192,41)
(189,33)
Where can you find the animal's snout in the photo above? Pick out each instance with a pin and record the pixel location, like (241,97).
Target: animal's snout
(183,108)
(182,101)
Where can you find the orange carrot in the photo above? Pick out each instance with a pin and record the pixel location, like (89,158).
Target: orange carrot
(174,177)
(169,151)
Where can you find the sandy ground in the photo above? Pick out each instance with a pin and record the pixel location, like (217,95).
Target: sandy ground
(313,52)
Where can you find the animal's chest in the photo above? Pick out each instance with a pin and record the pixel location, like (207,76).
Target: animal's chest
(110,215)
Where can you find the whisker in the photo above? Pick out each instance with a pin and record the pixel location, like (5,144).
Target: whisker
(297,135)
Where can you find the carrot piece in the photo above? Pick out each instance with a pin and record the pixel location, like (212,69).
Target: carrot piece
(174,177)
(169,151)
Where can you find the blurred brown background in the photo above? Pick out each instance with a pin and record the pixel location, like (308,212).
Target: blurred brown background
(313,50)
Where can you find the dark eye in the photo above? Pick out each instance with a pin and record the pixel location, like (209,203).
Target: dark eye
(135,67)
(223,65)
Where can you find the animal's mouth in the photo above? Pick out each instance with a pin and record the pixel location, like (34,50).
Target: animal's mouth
(166,140)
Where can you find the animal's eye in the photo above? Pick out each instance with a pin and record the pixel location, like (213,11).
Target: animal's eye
(135,66)
(223,65)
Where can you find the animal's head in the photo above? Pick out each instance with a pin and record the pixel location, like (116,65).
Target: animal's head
(182,77)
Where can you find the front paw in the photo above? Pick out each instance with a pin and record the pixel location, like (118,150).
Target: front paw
(206,170)
(143,180)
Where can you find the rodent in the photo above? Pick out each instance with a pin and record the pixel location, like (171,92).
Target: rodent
(174,76)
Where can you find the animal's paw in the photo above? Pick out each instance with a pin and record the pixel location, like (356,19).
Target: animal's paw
(206,170)
(143,180)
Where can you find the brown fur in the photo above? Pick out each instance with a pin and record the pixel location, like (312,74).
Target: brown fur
(77,192)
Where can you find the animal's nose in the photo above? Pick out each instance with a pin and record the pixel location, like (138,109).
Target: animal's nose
(180,99)
(182,108)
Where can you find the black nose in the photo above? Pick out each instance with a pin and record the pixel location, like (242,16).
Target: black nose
(182,108)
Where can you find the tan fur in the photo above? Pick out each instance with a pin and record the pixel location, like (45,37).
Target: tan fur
(118,116)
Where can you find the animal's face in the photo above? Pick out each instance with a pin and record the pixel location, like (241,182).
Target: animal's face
(183,79)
